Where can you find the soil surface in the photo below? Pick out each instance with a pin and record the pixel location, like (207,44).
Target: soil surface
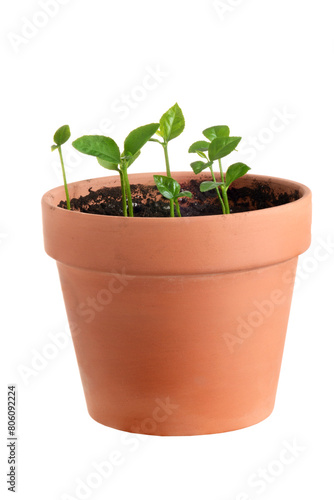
(147,201)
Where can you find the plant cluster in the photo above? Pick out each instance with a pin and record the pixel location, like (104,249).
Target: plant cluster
(217,145)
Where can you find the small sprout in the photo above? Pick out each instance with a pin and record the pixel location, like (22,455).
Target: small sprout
(217,144)
(220,145)
(171,125)
(61,136)
(171,189)
(108,155)
(233,172)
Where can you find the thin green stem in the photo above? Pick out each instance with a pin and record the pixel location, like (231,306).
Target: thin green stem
(165,146)
(221,171)
(217,191)
(177,207)
(125,210)
(227,206)
(172,214)
(68,203)
(127,188)
(155,140)
(223,188)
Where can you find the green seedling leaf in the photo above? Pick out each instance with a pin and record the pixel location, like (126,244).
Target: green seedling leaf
(199,146)
(199,166)
(183,194)
(62,135)
(100,146)
(208,185)
(138,137)
(171,123)
(168,187)
(235,171)
(212,133)
(222,146)
(108,164)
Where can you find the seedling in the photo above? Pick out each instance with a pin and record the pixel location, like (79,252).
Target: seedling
(108,155)
(217,145)
(171,126)
(171,189)
(61,136)
(220,145)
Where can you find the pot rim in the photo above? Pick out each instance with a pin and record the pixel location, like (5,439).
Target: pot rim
(49,197)
(206,244)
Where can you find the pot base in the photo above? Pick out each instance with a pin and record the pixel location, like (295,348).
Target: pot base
(151,427)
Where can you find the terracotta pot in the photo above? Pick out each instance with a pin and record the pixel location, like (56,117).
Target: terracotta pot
(178,324)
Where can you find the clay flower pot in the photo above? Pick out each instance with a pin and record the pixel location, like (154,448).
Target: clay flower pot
(178,324)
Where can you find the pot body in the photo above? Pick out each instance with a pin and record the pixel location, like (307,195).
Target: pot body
(178,324)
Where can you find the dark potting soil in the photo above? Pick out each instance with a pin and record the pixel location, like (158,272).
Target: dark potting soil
(147,201)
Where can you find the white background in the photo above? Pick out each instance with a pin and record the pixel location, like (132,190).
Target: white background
(237,62)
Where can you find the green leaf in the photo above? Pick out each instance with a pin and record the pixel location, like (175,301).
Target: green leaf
(222,146)
(199,166)
(171,123)
(208,185)
(108,164)
(167,186)
(62,135)
(54,147)
(100,146)
(138,137)
(183,194)
(235,171)
(216,131)
(199,146)
(202,155)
